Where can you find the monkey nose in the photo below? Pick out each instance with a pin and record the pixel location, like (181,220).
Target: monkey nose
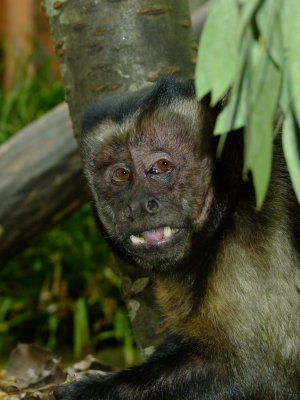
(152,205)
(136,207)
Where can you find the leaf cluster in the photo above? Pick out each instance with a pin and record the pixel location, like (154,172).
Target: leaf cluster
(249,53)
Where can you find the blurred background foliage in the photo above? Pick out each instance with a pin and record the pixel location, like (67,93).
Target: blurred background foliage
(67,278)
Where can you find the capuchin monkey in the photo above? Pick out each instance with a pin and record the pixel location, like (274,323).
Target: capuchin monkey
(227,276)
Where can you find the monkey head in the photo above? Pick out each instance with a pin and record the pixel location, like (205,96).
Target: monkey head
(148,160)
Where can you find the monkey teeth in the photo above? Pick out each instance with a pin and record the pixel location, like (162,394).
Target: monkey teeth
(154,236)
(167,232)
(137,240)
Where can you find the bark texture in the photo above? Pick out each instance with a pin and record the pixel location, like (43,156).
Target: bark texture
(41,180)
(106,46)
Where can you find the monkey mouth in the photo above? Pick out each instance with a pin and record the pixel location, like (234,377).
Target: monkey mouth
(154,237)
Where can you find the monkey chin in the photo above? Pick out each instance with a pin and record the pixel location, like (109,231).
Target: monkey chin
(159,250)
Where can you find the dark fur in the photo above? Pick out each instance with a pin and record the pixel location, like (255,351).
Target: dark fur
(229,285)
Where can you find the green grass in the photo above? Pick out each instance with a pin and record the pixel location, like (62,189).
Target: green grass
(63,292)
(30,98)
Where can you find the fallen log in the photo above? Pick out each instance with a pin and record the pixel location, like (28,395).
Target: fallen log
(41,180)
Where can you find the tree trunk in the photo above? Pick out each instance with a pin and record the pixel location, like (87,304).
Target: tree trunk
(109,46)
(41,180)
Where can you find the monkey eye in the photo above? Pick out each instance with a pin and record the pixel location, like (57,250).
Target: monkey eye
(161,167)
(121,175)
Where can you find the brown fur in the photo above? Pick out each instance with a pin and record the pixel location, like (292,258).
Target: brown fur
(246,309)
(251,299)
(228,280)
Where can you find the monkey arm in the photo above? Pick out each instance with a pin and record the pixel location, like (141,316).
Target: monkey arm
(175,372)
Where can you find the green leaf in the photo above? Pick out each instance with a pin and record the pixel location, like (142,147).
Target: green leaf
(248,8)
(291,35)
(81,328)
(261,163)
(291,148)
(218,52)
(284,98)
(268,21)
(234,115)
(265,85)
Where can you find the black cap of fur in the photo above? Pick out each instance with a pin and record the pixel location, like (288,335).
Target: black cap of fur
(121,106)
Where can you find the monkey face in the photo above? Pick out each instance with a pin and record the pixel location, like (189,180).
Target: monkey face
(148,158)
(152,189)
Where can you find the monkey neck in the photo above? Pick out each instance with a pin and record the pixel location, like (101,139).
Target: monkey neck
(180,292)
